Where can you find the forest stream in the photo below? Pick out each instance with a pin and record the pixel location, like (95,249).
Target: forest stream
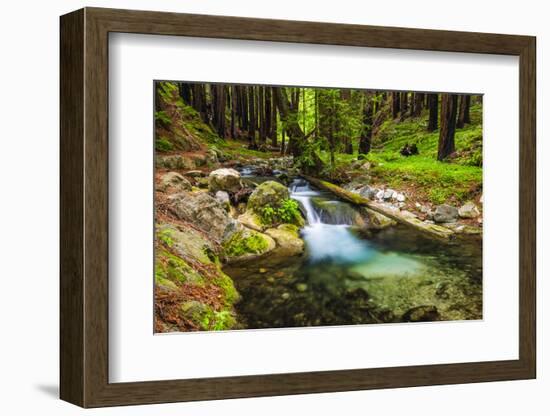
(350,276)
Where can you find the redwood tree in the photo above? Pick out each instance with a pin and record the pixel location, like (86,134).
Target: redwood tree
(449,104)
(366,133)
(464,111)
(434,107)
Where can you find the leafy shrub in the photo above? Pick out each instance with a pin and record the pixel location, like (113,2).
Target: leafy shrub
(288,212)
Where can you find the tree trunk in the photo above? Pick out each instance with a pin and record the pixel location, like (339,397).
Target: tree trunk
(366,134)
(404,105)
(418,103)
(290,119)
(233,111)
(185,92)
(434,107)
(273,132)
(199,101)
(395,98)
(449,104)
(251,119)
(218,110)
(464,112)
(261,114)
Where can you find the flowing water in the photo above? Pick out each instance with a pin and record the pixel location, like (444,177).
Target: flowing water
(351,276)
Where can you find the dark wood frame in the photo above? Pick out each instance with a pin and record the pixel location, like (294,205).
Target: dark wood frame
(84,207)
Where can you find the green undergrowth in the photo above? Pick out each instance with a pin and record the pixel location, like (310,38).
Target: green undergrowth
(455,180)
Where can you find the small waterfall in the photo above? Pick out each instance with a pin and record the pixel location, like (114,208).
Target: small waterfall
(302,192)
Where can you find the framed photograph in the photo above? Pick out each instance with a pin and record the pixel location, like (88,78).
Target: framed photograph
(256,207)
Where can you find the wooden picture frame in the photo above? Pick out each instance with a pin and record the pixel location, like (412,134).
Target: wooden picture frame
(84,207)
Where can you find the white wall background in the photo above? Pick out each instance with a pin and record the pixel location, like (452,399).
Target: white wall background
(29,159)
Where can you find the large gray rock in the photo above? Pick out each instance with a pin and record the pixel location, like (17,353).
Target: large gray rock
(268,193)
(173,181)
(224,179)
(176,162)
(223,197)
(205,212)
(445,213)
(468,210)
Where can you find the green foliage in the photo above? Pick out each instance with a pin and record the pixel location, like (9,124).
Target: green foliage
(162,144)
(287,212)
(163,118)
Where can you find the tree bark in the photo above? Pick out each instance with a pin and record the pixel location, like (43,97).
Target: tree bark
(404,105)
(233,111)
(261,114)
(251,119)
(418,103)
(396,107)
(273,132)
(464,112)
(449,104)
(433,105)
(366,134)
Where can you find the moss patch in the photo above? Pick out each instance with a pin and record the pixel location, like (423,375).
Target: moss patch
(245,242)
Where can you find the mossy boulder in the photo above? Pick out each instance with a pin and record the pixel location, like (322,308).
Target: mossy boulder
(246,244)
(269,193)
(287,238)
(205,212)
(186,242)
(171,270)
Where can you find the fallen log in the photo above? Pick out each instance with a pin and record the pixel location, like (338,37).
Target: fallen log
(430,230)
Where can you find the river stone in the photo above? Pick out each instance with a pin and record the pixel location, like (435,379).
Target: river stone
(388,193)
(380,194)
(424,313)
(287,238)
(400,197)
(204,211)
(445,213)
(269,193)
(224,179)
(223,197)
(173,181)
(468,210)
(368,192)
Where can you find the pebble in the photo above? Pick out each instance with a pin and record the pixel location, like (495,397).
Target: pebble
(301,287)
(262,270)
(285,296)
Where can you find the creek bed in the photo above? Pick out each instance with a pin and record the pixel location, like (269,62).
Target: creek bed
(350,276)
